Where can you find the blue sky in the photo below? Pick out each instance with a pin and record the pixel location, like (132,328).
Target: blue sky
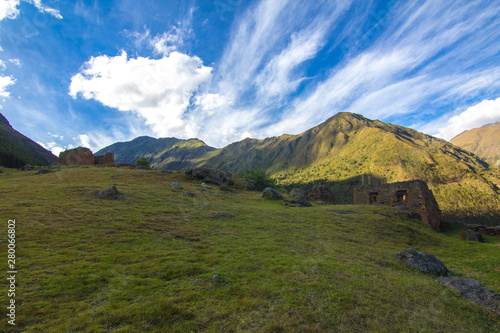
(93,73)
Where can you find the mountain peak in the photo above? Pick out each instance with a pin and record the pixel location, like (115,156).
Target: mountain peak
(4,120)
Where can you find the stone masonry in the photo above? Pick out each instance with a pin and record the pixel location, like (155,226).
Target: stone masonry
(414,196)
(84,156)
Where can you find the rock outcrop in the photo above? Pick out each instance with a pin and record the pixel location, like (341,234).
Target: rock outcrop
(270,193)
(321,195)
(474,292)
(423,261)
(210,176)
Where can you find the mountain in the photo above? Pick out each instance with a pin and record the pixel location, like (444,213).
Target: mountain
(483,141)
(17,150)
(348,150)
(164,153)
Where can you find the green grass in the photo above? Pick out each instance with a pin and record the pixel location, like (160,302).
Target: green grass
(145,263)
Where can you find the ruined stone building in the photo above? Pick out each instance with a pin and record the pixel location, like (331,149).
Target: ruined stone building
(414,195)
(84,156)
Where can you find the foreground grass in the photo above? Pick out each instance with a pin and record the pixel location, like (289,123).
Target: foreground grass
(147,262)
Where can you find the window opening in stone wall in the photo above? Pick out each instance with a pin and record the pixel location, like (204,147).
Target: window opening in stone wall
(401,196)
(373,197)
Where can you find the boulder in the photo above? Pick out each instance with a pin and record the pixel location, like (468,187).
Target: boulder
(296,203)
(424,262)
(320,195)
(110,193)
(209,176)
(175,185)
(106,159)
(249,184)
(270,193)
(474,292)
(42,171)
(77,156)
(471,235)
(297,194)
(27,167)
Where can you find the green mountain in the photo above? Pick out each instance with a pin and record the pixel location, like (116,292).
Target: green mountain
(17,150)
(164,153)
(483,141)
(348,150)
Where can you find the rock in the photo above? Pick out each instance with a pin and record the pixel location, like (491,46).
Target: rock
(209,176)
(492,231)
(175,185)
(205,185)
(249,184)
(110,193)
(472,236)
(141,167)
(297,194)
(474,292)
(424,262)
(1,171)
(296,203)
(189,194)
(77,156)
(271,194)
(42,171)
(215,277)
(106,159)
(27,167)
(320,195)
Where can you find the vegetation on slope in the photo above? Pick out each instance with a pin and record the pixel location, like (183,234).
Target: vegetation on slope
(148,262)
(16,150)
(483,141)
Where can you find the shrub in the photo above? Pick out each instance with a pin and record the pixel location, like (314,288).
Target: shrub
(142,161)
(261,179)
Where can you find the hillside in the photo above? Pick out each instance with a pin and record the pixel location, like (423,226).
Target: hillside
(158,260)
(348,150)
(164,153)
(17,150)
(483,141)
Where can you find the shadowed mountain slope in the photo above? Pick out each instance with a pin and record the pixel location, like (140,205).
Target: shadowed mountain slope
(17,150)
(164,153)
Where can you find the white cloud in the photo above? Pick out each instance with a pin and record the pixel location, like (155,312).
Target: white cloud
(8,9)
(488,111)
(157,90)
(5,82)
(84,140)
(16,62)
(45,9)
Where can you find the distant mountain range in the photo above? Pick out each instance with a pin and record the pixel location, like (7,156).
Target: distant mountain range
(483,141)
(17,150)
(344,151)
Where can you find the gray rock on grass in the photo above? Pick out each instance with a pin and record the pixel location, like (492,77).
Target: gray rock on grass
(271,194)
(423,261)
(110,193)
(474,292)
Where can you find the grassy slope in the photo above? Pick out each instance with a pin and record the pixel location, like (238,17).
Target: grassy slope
(145,263)
(483,141)
(16,150)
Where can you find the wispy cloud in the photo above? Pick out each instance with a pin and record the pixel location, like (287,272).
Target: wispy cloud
(45,9)
(5,82)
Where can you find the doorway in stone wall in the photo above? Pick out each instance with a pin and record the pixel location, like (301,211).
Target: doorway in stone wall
(373,198)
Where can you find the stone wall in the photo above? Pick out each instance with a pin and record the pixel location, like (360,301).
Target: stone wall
(84,156)
(77,156)
(106,159)
(414,196)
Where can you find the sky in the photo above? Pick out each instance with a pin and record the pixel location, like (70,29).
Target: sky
(92,73)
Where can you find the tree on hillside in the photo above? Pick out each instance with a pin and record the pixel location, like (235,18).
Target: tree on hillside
(261,179)
(142,161)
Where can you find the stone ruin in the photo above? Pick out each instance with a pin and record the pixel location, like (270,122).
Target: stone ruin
(321,195)
(413,196)
(84,156)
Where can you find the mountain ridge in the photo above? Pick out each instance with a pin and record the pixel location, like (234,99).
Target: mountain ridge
(483,141)
(17,150)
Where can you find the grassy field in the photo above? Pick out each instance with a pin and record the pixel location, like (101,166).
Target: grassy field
(146,263)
